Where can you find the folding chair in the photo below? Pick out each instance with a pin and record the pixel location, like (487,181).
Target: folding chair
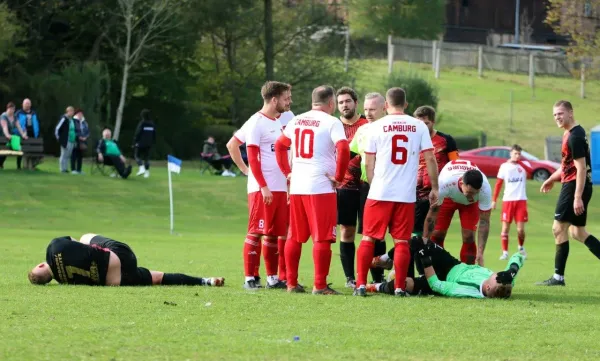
(205,166)
(97,167)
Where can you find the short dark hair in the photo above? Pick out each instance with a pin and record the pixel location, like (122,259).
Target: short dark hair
(10,105)
(78,110)
(564,103)
(425,111)
(503,291)
(322,94)
(473,178)
(347,90)
(396,97)
(516,147)
(273,89)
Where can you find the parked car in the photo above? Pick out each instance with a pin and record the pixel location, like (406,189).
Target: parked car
(489,159)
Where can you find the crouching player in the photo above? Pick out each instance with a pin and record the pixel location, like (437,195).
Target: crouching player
(101,261)
(447,276)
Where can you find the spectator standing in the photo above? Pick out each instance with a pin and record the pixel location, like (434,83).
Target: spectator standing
(143,140)
(28,120)
(11,129)
(82,132)
(67,137)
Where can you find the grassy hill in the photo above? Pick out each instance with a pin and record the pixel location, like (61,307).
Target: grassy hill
(180,323)
(469,105)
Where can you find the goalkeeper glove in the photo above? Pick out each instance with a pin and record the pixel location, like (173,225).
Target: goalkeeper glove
(505,277)
(425,258)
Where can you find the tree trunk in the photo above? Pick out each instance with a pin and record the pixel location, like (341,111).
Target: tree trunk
(269,57)
(126,65)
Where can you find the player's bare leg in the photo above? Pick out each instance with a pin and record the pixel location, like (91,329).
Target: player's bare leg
(504,239)
(178,279)
(271,256)
(521,236)
(468,251)
(582,235)
(347,253)
(251,260)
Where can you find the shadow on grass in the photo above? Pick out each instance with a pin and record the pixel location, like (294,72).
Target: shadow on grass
(558,297)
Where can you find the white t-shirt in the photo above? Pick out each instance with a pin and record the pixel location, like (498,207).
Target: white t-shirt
(450,188)
(397,141)
(285,118)
(515,178)
(314,135)
(262,131)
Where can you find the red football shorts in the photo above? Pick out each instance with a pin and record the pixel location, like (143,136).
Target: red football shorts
(313,215)
(516,210)
(469,215)
(381,215)
(269,220)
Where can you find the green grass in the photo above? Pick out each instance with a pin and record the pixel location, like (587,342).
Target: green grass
(85,323)
(469,105)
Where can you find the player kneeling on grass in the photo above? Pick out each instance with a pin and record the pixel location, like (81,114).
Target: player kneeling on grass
(101,261)
(447,276)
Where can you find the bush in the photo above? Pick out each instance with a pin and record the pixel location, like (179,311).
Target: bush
(419,91)
(466,142)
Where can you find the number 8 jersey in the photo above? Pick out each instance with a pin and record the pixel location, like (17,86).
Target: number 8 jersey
(396,140)
(314,135)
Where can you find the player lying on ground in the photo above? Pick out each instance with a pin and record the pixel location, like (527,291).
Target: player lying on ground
(101,261)
(447,276)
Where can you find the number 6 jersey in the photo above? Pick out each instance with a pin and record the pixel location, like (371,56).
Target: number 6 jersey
(396,140)
(314,135)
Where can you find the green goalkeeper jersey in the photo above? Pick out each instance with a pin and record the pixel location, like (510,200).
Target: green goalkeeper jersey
(465,280)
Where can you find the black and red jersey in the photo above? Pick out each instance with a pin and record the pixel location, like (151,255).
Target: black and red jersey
(443,145)
(574,146)
(352,176)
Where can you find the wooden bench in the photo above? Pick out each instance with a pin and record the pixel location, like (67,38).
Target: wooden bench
(32,150)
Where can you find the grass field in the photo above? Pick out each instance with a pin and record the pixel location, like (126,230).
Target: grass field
(183,323)
(469,105)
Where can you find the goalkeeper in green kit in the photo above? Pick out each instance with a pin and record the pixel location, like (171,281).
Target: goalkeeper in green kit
(446,276)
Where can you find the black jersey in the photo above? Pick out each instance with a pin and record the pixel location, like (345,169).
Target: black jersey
(77,263)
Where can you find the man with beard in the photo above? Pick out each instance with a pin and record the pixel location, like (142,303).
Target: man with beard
(267,186)
(348,194)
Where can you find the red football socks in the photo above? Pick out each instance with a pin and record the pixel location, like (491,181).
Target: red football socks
(468,252)
(251,255)
(270,255)
(322,259)
(293,250)
(281,254)
(401,261)
(364,257)
(504,238)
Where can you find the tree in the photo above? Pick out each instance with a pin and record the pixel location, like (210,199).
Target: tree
(576,19)
(421,19)
(269,43)
(144,24)
(9,32)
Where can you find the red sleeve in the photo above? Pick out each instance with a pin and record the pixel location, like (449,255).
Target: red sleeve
(281,154)
(343,157)
(528,169)
(254,163)
(497,188)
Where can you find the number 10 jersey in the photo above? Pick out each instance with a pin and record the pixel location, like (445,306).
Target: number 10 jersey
(396,140)
(314,135)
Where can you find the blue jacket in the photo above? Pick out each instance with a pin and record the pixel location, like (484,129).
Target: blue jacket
(22,118)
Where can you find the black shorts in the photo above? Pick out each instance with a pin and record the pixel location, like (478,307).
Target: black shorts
(441,259)
(348,204)
(364,193)
(421,209)
(131,274)
(564,206)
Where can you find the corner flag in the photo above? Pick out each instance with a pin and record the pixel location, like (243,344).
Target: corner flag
(173,165)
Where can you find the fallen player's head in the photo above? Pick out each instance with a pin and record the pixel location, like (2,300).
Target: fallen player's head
(40,274)
(472,181)
(493,289)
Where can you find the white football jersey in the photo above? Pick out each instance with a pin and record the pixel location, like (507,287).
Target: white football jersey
(314,135)
(515,178)
(263,132)
(285,118)
(396,141)
(450,188)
